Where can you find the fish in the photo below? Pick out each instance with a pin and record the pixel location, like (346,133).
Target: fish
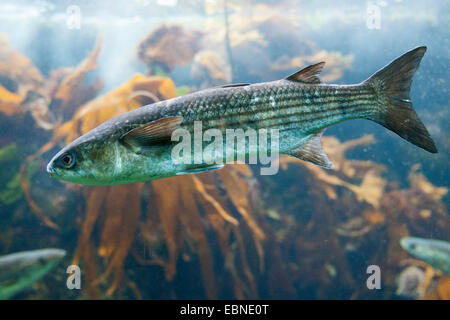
(18,271)
(136,146)
(434,252)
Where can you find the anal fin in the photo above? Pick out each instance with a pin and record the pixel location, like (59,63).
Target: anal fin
(313,152)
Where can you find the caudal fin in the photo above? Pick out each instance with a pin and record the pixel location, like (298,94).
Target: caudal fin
(392,85)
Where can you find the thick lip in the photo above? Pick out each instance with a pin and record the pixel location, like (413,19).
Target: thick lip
(50,168)
(404,242)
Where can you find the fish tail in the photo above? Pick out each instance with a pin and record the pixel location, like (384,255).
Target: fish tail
(395,112)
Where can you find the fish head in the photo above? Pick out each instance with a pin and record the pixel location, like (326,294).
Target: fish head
(434,252)
(86,161)
(29,261)
(102,158)
(43,258)
(20,270)
(417,247)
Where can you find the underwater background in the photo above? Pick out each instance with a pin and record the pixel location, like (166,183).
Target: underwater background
(305,233)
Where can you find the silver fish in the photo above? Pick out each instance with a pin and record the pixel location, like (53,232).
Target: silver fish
(20,270)
(434,252)
(136,146)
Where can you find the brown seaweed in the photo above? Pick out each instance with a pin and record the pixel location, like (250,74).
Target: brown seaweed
(168,46)
(243,236)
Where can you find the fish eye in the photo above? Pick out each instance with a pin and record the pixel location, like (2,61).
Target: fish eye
(67,160)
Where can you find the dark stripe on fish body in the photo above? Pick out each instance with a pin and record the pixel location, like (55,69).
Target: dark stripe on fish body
(272,124)
(308,103)
(351,107)
(307,100)
(301,108)
(314,128)
(315,116)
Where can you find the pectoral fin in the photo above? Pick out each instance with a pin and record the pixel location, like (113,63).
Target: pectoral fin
(313,152)
(151,133)
(200,170)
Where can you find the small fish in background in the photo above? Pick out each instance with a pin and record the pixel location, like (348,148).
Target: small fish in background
(136,146)
(434,252)
(18,271)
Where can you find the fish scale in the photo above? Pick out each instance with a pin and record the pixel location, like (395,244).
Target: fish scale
(269,105)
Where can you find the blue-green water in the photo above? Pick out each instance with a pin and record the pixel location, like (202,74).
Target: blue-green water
(301,253)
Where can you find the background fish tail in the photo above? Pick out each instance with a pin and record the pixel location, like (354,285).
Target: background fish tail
(392,85)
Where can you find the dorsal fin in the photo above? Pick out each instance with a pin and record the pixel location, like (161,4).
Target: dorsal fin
(312,151)
(308,74)
(151,133)
(232,85)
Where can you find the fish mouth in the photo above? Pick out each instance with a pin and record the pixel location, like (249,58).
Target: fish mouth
(50,169)
(404,242)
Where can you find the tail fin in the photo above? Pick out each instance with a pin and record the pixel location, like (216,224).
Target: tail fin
(392,85)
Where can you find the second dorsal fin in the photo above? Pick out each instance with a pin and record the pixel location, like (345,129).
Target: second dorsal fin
(308,74)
